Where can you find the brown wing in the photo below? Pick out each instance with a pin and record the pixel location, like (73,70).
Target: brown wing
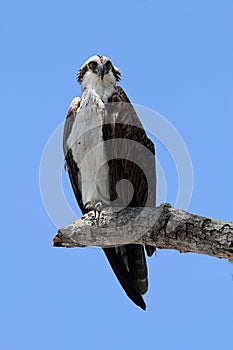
(71,165)
(137,163)
(132,158)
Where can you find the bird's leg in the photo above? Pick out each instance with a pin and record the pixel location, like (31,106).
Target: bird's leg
(98,208)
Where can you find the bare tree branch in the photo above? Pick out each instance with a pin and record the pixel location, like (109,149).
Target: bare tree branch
(161,227)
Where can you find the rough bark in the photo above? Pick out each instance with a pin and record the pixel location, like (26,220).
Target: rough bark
(163,227)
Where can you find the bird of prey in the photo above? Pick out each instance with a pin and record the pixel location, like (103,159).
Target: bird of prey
(110,162)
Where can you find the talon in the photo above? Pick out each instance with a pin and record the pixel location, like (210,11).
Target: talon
(98,208)
(89,206)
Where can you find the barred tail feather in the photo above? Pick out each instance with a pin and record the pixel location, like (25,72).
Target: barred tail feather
(137,266)
(124,276)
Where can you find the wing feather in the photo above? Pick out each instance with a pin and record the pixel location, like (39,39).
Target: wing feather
(71,165)
(133,166)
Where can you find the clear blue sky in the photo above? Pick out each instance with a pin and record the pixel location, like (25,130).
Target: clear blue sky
(176,58)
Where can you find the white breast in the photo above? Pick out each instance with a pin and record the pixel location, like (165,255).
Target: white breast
(86,143)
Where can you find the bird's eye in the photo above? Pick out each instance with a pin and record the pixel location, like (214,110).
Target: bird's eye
(92,65)
(108,65)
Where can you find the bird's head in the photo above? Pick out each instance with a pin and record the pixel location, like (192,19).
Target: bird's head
(98,70)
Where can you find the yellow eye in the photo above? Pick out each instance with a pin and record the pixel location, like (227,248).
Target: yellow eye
(92,65)
(108,65)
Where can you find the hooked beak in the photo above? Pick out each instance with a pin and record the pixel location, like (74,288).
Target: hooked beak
(100,71)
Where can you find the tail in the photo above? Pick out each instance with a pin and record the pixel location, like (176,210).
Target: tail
(129,265)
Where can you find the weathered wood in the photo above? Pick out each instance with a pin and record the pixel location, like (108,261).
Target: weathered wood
(162,227)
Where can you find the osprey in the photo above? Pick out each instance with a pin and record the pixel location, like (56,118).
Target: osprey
(110,162)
